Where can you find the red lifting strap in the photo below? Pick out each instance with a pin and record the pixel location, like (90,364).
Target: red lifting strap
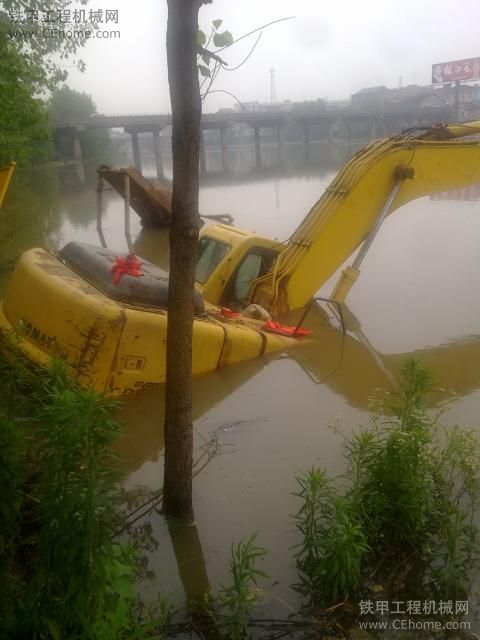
(228,313)
(284,330)
(129,265)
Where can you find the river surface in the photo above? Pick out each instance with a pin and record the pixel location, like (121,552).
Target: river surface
(269,419)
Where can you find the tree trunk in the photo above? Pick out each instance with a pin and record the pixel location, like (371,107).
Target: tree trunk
(186,112)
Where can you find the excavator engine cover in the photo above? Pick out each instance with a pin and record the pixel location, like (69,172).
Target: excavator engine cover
(95,264)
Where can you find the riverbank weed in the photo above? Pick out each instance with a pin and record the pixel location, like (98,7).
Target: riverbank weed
(63,574)
(411,491)
(239,599)
(332,539)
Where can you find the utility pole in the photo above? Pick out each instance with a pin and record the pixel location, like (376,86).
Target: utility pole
(273,90)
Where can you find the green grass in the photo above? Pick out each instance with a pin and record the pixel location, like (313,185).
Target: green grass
(410,493)
(62,573)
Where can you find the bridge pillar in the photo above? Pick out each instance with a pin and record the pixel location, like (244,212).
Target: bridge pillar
(136,151)
(279,142)
(384,127)
(157,148)
(223,148)
(77,148)
(78,156)
(256,135)
(332,131)
(203,158)
(306,137)
(349,131)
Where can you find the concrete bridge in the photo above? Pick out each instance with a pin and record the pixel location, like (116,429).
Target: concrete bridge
(380,123)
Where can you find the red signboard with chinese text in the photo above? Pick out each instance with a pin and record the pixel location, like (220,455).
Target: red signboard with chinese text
(457,70)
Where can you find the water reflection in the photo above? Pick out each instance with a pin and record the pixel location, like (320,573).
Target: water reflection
(143,413)
(347,364)
(271,418)
(190,560)
(31,215)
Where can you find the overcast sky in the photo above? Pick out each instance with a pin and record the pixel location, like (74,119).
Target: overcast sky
(330,49)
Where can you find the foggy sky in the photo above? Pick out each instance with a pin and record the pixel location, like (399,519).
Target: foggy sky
(329,50)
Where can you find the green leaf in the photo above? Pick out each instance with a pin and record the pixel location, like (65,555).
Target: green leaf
(201,38)
(123,586)
(217,23)
(54,630)
(206,58)
(205,71)
(222,39)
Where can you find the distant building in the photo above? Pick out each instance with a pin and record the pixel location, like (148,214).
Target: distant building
(414,97)
(309,106)
(370,97)
(264,107)
(335,105)
(469,99)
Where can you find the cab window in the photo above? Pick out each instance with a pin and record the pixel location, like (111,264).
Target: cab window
(248,271)
(210,253)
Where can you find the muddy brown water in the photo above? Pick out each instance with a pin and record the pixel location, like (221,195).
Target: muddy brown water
(273,417)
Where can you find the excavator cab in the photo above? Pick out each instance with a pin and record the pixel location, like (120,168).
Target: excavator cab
(229,260)
(257,262)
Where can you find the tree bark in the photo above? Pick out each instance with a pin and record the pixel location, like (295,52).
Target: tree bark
(186,112)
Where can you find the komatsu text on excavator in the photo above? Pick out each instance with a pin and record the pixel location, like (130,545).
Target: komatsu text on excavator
(111,328)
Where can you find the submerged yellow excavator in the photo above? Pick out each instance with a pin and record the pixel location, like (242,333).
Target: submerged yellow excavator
(111,328)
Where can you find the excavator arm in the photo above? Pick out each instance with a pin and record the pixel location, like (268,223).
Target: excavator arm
(379,179)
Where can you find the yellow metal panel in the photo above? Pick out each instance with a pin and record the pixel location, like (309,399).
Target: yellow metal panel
(208,340)
(241,343)
(61,315)
(6,174)
(246,339)
(141,355)
(280,343)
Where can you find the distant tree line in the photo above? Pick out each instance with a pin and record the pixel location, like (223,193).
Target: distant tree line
(32,89)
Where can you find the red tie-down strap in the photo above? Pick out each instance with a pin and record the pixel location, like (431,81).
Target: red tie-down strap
(225,312)
(129,265)
(284,330)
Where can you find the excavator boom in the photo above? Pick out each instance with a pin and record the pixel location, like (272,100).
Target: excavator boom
(350,207)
